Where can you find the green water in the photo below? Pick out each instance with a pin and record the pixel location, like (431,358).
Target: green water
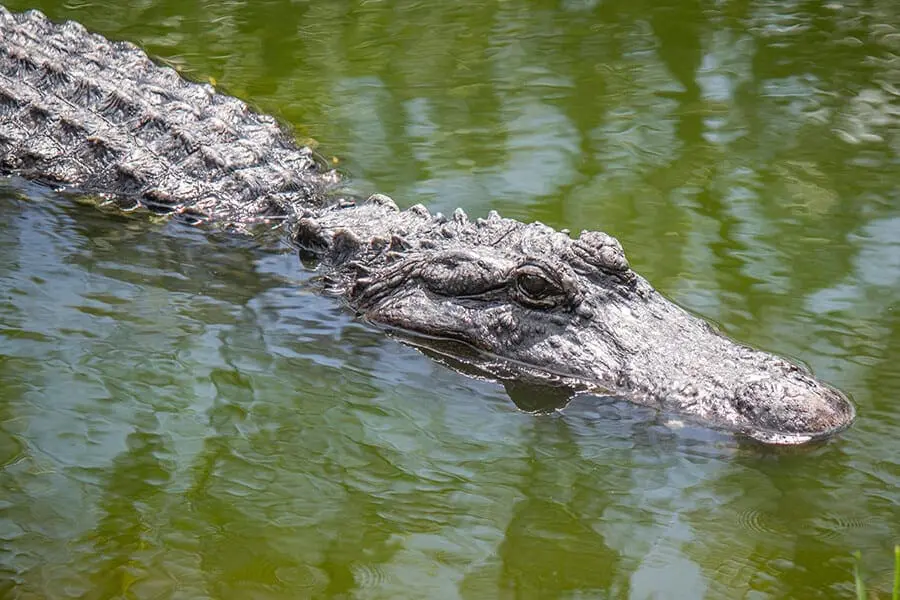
(181,416)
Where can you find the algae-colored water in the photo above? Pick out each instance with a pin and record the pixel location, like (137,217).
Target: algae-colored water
(181,416)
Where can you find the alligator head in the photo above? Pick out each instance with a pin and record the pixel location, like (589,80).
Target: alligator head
(571,310)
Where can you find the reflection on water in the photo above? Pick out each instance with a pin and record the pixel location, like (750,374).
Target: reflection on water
(181,415)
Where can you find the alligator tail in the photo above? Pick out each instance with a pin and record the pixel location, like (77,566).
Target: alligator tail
(99,117)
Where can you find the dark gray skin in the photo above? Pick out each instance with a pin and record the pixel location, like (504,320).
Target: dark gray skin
(99,117)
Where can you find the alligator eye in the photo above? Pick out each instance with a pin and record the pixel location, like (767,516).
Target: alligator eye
(536,288)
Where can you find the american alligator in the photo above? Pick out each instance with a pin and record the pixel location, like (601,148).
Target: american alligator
(83,113)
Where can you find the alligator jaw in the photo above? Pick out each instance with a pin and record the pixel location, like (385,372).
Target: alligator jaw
(684,367)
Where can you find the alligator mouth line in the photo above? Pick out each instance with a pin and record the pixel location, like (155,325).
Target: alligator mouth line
(453,347)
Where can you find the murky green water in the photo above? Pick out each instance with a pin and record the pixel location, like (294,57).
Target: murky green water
(181,416)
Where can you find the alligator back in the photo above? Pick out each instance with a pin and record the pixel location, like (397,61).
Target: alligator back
(99,117)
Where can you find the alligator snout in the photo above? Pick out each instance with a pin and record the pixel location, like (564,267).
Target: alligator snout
(792,411)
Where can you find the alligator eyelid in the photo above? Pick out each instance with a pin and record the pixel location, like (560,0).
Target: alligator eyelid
(540,270)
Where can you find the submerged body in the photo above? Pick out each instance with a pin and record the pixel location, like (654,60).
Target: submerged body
(87,114)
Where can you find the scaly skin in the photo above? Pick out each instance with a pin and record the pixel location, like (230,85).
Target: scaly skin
(100,117)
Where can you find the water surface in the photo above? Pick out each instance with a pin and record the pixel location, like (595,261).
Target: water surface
(181,415)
